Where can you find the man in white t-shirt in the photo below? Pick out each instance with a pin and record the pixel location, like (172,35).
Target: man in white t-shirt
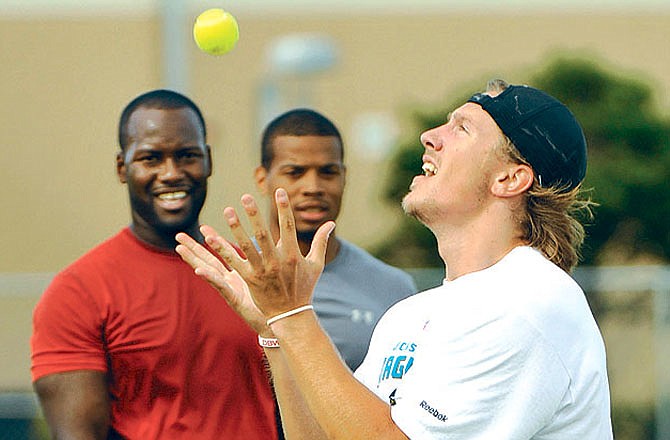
(506,348)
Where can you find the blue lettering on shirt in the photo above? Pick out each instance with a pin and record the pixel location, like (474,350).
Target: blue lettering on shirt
(397,365)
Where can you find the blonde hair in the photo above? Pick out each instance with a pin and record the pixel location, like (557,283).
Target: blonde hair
(550,221)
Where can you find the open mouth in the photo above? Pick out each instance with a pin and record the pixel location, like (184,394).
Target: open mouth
(429,169)
(171,196)
(311,212)
(171,201)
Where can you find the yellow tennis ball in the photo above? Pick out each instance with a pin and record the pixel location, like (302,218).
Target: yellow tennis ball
(215,31)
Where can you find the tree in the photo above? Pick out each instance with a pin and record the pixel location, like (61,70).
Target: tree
(628,171)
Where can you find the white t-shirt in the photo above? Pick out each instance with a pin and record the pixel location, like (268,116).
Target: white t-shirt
(509,352)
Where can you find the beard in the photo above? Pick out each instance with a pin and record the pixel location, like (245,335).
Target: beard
(166,224)
(411,209)
(306,236)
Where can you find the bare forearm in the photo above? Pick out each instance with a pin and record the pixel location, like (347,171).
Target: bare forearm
(342,406)
(297,419)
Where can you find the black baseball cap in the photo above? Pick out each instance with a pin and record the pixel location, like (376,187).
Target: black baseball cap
(544,131)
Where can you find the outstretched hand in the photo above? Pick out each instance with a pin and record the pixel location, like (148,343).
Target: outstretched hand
(224,279)
(279,277)
(266,283)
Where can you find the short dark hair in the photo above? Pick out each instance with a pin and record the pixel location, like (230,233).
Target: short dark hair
(160,99)
(297,122)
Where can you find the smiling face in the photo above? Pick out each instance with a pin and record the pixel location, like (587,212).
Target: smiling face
(165,165)
(461,163)
(310,169)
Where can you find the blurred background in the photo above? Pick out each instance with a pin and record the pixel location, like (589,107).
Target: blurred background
(383,71)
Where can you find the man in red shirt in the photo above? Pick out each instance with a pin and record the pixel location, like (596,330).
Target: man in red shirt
(127,341)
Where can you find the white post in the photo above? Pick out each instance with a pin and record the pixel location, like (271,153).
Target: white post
(175,35)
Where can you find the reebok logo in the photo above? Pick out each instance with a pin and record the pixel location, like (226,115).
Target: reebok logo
(432,411)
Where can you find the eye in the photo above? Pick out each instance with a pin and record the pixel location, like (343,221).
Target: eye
(148,158)
(330,171)
(295,171)
(190,155)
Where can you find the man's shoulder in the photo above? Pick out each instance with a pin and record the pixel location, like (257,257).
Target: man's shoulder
(368,264)
(107,259)
(107,250)
(352,251)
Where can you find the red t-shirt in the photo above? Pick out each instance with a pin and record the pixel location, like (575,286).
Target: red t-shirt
(181,363)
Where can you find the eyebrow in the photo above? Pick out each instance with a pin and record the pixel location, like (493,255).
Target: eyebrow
(181,147)
(457,116)
(298,165)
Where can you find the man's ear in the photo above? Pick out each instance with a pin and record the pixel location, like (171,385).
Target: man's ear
(121,166)
(209,161)
(513,180)
(260,175)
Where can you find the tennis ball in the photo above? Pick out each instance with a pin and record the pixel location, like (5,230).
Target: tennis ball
(215,31)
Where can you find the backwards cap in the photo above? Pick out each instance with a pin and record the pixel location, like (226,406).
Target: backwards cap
(544,131)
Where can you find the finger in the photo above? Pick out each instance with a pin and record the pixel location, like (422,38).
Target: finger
(198,257)
(212,237)
(317,251)
(287,231)
(207,230)
(219,280)
(243,241)
(261,233)
(215,241)
(195,254)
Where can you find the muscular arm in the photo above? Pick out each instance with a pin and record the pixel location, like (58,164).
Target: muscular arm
(297,419)
(75,404)
(343,407)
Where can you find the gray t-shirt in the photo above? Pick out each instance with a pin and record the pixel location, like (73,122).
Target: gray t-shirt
(353,292)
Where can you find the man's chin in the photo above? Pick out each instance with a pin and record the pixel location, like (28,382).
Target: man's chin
(306,235)
(410,208)
(407,205)
(175,226)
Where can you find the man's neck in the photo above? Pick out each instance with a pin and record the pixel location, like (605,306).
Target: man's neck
(163,241)
(476,245)
(332,248)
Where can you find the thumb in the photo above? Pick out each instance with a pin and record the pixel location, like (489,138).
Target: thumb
(317,251)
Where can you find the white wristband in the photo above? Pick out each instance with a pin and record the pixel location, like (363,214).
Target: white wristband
(289,313)
(268,342)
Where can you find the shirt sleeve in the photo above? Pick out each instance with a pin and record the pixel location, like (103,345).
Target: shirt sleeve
(67,330)
(498,380)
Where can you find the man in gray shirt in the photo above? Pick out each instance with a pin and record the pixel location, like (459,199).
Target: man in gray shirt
(302,152)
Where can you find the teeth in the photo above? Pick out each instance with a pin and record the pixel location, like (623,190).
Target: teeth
(429,169)
(173,195)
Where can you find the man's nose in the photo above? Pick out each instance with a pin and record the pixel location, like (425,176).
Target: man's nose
(312,183)
(430,139)
(170,169)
